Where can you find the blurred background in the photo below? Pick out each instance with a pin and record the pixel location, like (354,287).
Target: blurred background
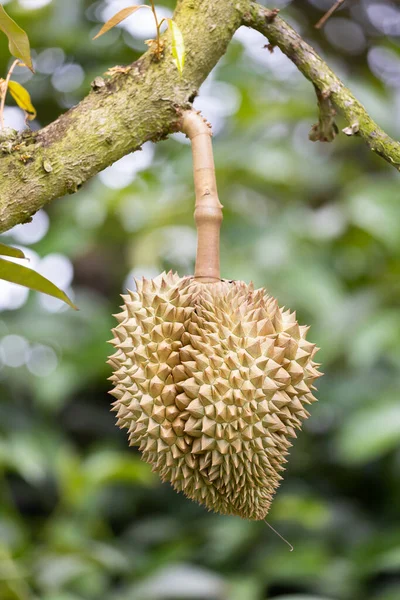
(81,517)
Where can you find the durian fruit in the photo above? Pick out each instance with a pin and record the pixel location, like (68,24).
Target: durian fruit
(211,377)
(211,381)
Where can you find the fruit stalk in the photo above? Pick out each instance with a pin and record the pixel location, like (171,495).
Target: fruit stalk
(208,209)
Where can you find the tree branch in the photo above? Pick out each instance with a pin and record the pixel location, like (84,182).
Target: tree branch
(143,102)
(328,14)
(324,79)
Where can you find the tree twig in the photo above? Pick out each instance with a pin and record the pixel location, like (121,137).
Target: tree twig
(328,14)
(311,65)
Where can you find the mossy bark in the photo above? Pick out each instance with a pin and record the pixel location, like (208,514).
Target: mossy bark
(142,103)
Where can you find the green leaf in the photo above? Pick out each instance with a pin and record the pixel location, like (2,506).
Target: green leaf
(10,251)
(178,45)
(22,98)
(29,278)
(118,17)
(18,41)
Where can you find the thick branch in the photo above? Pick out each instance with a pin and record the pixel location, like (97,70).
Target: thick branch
(317,71)
(142,103)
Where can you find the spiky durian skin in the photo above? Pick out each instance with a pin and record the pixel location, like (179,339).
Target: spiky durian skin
(211,381)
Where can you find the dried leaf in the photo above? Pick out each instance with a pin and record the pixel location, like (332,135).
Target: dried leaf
(178,45)
(22,98)
(18,41)
(28,278)
(118,17)
(10,251)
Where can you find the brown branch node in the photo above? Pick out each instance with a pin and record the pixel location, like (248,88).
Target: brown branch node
(271,14)
(270,48)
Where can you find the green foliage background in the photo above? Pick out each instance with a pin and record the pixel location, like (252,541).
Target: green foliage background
(81,517)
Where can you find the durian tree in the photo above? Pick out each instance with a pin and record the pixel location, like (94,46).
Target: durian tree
(210,375)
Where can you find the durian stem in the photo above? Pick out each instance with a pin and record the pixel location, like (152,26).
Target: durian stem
(208,210)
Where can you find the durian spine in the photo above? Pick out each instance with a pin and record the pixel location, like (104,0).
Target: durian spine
(208,209)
